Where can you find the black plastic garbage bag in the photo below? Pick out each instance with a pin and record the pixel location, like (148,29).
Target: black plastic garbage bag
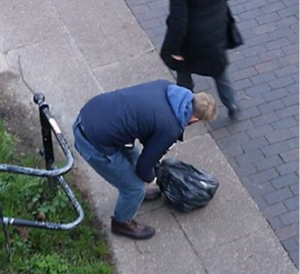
(184,186)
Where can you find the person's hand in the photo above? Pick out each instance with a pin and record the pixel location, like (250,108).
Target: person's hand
(177,57)
(151,184)
(157,167)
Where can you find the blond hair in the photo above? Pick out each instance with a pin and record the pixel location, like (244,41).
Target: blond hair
(204,106)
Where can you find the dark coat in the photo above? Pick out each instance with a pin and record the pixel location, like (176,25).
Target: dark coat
(196,30)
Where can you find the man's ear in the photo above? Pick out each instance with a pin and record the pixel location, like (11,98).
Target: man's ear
(194,119)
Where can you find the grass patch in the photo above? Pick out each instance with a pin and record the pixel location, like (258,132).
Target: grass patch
(38,251)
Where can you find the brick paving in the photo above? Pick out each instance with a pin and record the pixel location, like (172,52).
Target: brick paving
(263,145)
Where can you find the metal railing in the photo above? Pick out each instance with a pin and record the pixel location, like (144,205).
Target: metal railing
(52,173)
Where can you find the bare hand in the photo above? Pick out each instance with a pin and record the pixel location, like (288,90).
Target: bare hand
(177,57)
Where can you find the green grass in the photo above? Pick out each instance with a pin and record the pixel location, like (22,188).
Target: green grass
(39,251)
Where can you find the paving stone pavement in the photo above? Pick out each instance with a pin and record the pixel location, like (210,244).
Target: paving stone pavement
(263,145)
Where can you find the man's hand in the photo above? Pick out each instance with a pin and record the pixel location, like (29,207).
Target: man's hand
(177,57)
(156,168)
(151,184)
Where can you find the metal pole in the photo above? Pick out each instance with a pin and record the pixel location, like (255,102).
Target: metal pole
(47,139)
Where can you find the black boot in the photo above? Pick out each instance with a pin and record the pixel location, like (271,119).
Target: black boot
(233,111)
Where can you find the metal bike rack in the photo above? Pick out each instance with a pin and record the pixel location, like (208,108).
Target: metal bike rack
(52,173)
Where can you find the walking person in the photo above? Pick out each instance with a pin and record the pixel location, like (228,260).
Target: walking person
(155,113)
(196,41)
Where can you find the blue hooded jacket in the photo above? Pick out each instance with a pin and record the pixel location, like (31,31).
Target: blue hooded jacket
(155,113)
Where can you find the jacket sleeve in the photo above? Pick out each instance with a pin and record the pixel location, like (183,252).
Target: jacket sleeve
(177,24)
(154,149)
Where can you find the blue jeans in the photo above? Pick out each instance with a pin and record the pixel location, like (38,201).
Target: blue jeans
(223,83)
(118,170)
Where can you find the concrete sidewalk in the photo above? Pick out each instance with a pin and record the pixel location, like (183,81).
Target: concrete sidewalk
(72,50)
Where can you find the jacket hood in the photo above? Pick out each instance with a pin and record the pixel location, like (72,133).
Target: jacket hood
(180,100)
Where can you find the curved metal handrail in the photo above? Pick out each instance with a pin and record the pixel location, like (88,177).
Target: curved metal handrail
(49,126)
(39,99)
(51,225)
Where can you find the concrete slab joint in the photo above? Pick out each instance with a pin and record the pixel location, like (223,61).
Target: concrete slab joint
(75,50)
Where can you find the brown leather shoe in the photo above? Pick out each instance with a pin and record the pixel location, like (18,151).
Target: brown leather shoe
(152,193)
(132,229)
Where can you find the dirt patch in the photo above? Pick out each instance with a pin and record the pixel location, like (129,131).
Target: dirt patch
(18,120)
(21,117)
(23,122)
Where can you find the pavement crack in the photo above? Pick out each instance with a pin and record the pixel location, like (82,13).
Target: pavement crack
(139,249)
(185,235)
(124,59)
(189,240)
(152,210)
(6,52)
(72,40)
(22,76)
